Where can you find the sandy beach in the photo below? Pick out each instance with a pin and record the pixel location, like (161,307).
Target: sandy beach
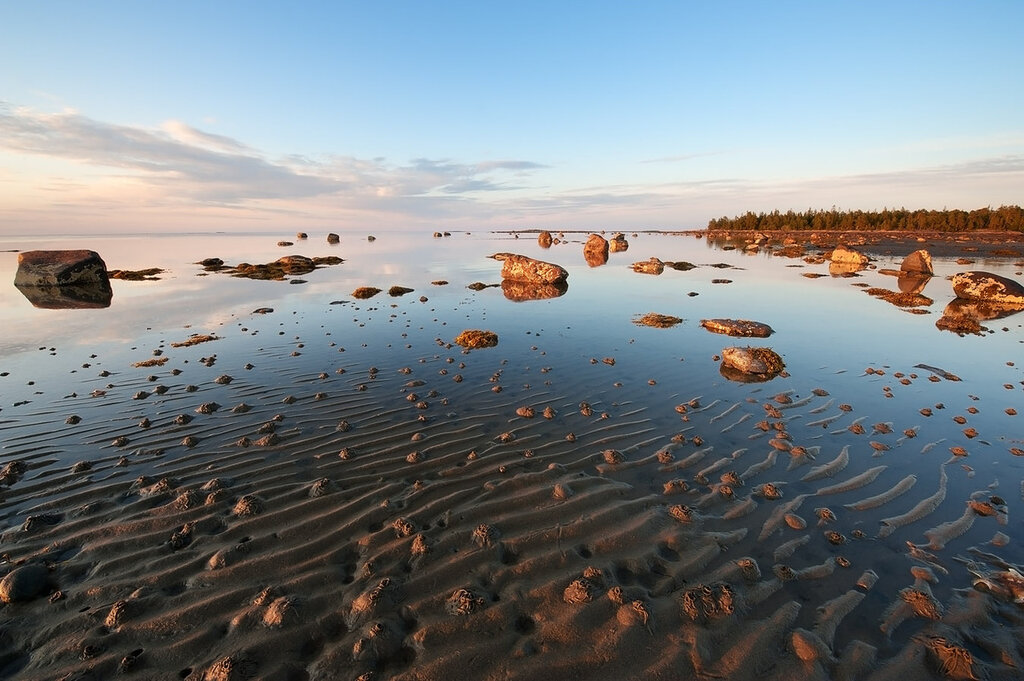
(331,488)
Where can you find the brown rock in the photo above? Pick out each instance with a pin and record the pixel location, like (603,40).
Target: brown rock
(737,327)
(476,338)
(988,287)
(24,583)
(333,238)
(544,239)
(652,266)
(919,262)
(595,250)
(760,362)
(844,254)
(521,268)
(618,243)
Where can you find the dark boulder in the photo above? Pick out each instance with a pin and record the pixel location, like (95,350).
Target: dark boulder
(60,268)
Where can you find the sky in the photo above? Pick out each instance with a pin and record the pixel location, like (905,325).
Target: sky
(584,115)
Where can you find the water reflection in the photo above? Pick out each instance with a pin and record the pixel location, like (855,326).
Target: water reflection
(93,295)
(521,291)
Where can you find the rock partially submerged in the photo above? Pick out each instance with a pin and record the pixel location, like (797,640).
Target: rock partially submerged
(544,239)
(657,320)
(918,262)
(751,363)
(522,268)
(476,338)
(618,243)
(289,265)
(76,279)
(61,268)
(846,255)
(988,287)
(737,327)
(652,266)
(595,250)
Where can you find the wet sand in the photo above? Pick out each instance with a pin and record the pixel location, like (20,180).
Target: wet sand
(287,506)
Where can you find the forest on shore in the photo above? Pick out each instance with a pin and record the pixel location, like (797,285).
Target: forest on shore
(1003,219)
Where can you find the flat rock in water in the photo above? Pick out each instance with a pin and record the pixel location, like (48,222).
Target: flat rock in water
(522,268)
(61,268)
(988,287)
(737,327)
(652,266)
(24,583)
(919,262)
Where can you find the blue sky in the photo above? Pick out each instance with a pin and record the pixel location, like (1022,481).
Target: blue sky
(487,115)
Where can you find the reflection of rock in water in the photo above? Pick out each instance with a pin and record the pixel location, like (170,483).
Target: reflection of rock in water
(844,269)
(912,282)
(519,291)
(965,316)
(69,297)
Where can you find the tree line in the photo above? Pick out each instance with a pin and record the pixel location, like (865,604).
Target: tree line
(1004,218)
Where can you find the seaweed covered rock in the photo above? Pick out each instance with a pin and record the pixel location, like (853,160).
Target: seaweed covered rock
(476,338)
(737,327)
(756,362)
(989,287)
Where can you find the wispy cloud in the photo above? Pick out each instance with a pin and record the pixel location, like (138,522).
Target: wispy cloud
(184,162)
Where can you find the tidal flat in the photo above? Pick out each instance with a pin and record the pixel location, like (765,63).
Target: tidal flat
(218,478)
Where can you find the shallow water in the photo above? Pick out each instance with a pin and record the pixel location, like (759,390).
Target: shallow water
(322,356)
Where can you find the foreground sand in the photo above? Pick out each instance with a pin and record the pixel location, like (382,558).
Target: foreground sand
(316,516)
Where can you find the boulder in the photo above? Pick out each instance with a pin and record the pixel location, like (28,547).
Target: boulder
(544,239)
(757,362)
(918,262)
(301,235)
(618,243)
(988,287)
(333,238)
(24,583)
(60,268)
(595,250)
(737,327)
(845,255)
(521,268)
(652,266)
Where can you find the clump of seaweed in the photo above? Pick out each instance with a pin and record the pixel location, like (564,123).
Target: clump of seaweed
(476,338)
(659,321)
(364,292)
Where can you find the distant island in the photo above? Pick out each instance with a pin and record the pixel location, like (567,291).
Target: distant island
(1002,219)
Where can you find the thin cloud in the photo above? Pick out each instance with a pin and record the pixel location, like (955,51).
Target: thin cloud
(184,162)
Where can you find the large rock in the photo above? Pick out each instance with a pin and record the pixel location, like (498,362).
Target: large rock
(845,255)
(988,287)
(595,251)
(61,268)
(24,583)
(756,363)
(918,262)
(618,243)
(521,268)
(544,239)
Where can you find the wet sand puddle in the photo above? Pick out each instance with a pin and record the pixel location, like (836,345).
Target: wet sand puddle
(356,497)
